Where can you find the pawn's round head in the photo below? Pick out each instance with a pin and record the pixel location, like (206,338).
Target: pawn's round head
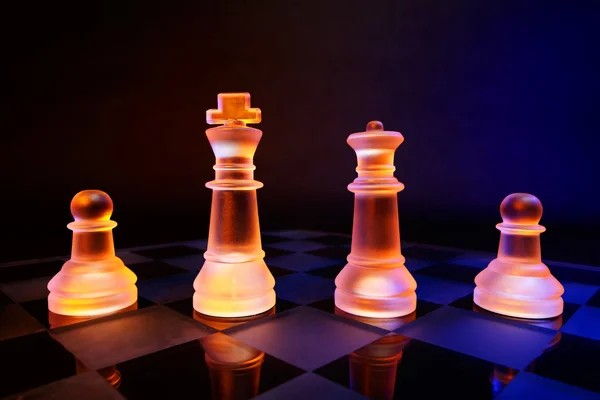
(521,209)
(91,205)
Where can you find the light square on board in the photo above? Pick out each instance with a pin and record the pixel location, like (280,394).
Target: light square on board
(15,321)
(585,322)
(305,337)
(480,336)
(578,293)
(109,341)
(32,289)
(310,386)
(88,386)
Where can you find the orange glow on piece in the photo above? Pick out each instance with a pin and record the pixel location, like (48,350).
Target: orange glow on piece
(234,280)
(94,281)
(517,283)
(375,283)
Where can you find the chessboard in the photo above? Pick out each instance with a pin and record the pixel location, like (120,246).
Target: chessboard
(304,348)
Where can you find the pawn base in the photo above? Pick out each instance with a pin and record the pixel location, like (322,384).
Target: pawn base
(519,308)
(373,307)
(89,307)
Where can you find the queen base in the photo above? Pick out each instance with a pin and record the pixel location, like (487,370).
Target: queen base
(234,289)
(92,306)
(375,307)
(519,308)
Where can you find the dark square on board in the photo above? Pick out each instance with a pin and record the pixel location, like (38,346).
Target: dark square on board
(278,272)
(30,271)
(333,240)
(570,359)
(183,371)
(594,301)
(453,272)
(155,269)
(579,275)
(170,252)
(273,252)
(429,254)
(33,360)
(424,371)
(4,299)
(334,252)
(269,239)
(327,272)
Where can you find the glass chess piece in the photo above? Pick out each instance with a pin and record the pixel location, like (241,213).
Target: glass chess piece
(234,280)
(517,283)
(375,283)
(94,281)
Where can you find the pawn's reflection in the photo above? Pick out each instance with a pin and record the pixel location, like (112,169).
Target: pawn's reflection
(373,368)
(502,376)
(551,323)
(234,367)
(111,374)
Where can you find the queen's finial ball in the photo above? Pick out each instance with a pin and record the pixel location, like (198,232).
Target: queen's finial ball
(91,205)
(521,208)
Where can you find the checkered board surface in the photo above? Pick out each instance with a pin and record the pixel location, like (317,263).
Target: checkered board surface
(309,349)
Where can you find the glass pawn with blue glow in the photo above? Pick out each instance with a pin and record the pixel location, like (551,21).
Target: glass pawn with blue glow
(375,282)
(517,283)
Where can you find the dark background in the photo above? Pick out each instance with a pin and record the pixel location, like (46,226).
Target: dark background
(493,97)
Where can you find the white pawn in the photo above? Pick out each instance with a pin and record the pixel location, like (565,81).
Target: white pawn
(94,281)
(517,283)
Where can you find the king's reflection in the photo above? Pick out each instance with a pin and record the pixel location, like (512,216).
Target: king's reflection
(234,367)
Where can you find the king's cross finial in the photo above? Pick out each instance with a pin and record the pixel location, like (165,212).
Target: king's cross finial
(233,107)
